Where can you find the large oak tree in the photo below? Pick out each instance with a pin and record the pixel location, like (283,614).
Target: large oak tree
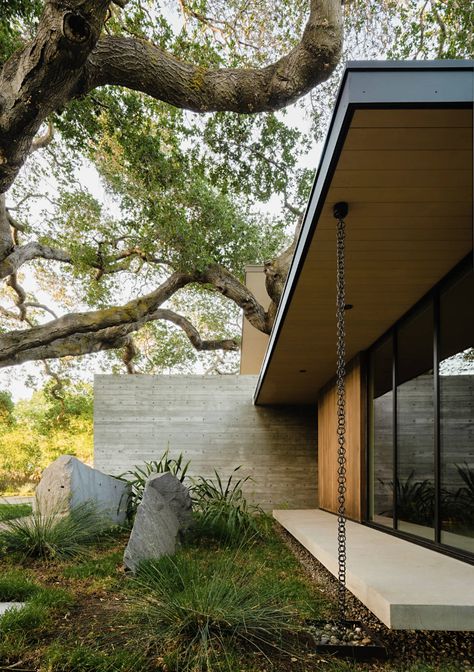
(178,115)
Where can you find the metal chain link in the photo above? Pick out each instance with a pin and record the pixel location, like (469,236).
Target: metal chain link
(341,418)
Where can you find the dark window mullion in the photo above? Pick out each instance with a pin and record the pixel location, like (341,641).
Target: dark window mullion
(437,445)
(394,425)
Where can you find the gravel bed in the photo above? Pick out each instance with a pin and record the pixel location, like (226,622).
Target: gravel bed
(404,646)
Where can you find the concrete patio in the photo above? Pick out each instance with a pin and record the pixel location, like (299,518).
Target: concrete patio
(405,585)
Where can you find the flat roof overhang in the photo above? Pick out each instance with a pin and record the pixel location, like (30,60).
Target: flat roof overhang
(400,151)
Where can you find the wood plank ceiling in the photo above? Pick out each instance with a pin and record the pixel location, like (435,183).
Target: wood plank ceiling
(407,175)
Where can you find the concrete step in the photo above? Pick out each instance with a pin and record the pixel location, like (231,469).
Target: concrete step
(408,587)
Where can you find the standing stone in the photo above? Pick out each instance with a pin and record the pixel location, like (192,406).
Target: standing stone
(68,482)
(164,511)
(176,496)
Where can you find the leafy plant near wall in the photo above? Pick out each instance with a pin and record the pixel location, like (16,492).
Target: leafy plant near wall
(415,500)
(222,509)
(138,476)
(458,506)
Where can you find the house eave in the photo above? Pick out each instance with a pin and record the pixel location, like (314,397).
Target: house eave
(368,85)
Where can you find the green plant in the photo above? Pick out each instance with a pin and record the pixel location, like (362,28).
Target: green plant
(52,536)
(16,586)
(100,568)
(9,511)
(458,506)
(61,658)
(415,500)
(138,476)
(222,510)
(466,473)
(200,614)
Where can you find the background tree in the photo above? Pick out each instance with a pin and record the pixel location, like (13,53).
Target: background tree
(40,429)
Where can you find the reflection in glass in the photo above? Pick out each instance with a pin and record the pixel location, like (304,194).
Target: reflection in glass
(381,434)
(415,425)
(456,386)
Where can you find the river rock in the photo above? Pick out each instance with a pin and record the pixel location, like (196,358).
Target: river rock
(68,482)
(165,510)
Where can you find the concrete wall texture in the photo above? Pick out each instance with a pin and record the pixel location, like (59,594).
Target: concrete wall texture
(212,420)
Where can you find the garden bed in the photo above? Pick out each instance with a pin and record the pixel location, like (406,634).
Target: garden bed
(86,615)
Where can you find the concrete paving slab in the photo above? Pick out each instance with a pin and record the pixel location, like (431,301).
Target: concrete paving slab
(7,606)
(406,586)
(17,499)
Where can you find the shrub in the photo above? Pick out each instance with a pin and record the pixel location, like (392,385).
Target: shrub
(52,536)
(222,509)
(200,615)
(138,476)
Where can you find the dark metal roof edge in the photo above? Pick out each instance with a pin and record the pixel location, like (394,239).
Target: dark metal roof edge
(440,64)
(343,109)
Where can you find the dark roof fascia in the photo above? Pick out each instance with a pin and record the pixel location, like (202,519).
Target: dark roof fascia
(441,83)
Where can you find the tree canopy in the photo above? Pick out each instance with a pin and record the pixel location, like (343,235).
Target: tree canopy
(177,110)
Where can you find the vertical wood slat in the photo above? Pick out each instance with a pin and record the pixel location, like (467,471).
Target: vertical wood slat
(328,445)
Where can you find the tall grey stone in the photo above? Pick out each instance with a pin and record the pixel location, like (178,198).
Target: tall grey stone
(67,482)
(176,496)
(164,511)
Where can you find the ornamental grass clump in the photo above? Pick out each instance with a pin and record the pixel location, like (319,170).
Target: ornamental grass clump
(201,616)
(221,509)
(53,536)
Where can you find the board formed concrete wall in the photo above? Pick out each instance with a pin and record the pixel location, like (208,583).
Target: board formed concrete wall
(212,420)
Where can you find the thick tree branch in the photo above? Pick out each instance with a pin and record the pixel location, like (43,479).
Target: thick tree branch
(138,310)
(73,346)
(144,67)
(6,240)
(129,353)
(40,78)
(67,59)
(113,338)
(229,286)
(193,334)
(22,253)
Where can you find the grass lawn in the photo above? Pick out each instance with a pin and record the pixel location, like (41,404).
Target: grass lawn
(9,511)
(89,616)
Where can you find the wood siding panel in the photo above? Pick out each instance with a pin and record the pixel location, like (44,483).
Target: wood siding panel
(328,445)
(212,420)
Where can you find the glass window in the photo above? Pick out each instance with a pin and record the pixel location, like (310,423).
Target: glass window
(456,391)
(415,425)
(381,434)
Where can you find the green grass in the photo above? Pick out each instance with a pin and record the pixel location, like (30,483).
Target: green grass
(62,658)
(22,629)
(10,511)
(29,618)
(108,622)
(201,608)
(16,586)
(99,568)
